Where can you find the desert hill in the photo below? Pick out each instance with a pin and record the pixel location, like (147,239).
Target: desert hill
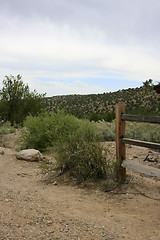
(99,106)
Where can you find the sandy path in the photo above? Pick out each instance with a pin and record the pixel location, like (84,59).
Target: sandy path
(30,209)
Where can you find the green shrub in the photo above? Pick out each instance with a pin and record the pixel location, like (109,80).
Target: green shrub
(16,100)
(6,128)
(82,155)
(140,131)
(106,130)
(75,142)
(46,130)
(143,131)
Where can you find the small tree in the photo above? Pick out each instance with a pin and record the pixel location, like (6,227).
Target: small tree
(148,85)
(16,101)
(157,88)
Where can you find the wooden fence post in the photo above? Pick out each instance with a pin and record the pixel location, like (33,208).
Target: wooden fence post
(120,147)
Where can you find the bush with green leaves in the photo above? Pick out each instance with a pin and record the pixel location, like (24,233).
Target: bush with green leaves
(82,155)
(143,131)
(75,143)
(16,100)
(47,130)
(6,128)
(105,130)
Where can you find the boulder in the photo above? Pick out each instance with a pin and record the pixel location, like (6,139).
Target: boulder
(29,155)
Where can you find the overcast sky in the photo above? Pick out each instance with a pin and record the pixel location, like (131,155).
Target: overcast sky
(80,46)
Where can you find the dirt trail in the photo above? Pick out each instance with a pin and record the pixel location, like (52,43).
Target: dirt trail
(31,209)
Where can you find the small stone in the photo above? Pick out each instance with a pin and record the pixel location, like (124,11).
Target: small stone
(55,183)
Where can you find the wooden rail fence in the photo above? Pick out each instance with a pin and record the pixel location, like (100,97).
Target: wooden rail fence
(121,117)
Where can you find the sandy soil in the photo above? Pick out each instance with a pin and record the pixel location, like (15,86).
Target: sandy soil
(32,209)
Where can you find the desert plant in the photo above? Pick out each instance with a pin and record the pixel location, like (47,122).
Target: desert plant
(75,143)
(106,130)
(6,128)
(140,131)
(82,155)
(47,130)
(16,100)
(143,131)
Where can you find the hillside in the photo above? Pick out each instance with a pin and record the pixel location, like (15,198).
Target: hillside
(103,105)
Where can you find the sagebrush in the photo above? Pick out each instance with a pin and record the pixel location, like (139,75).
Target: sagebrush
(140,131)
(75,142)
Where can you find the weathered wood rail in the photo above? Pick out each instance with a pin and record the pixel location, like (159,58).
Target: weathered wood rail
(121,117)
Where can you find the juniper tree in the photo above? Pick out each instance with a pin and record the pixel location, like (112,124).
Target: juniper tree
(16,100)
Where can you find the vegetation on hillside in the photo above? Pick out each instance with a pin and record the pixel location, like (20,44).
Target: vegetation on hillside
(102,106)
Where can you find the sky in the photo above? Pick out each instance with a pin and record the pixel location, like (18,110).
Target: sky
(80,46)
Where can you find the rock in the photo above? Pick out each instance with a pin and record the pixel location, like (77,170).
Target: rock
(29,155)
(55,183)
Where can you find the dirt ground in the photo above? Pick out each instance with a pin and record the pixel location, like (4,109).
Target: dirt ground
(32,209)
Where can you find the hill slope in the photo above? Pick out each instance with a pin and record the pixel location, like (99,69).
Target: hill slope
(136,100)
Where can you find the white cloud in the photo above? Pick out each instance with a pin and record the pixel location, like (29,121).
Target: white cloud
(53,88)
(99,40)
(135,63)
